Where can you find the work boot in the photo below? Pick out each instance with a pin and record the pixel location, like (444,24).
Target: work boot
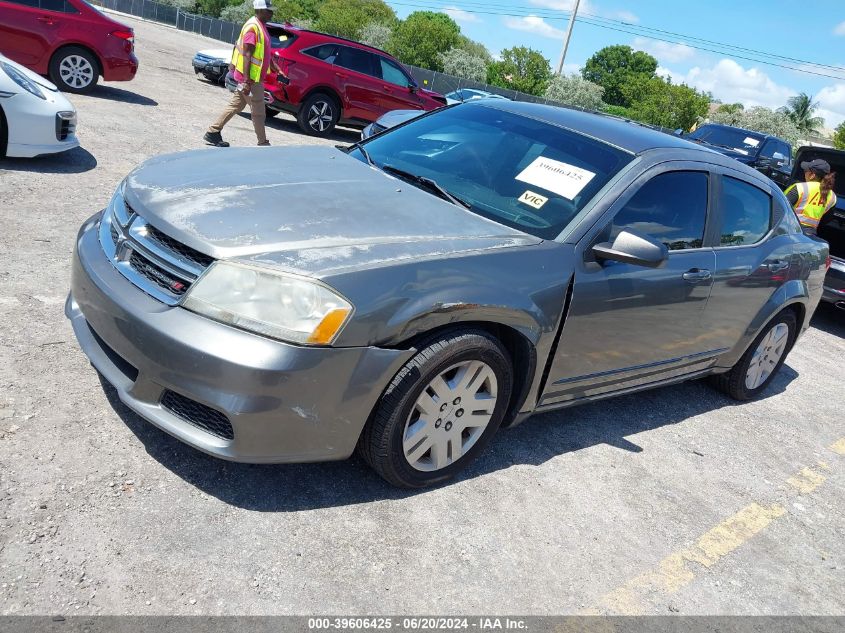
(264,144)
(214,138)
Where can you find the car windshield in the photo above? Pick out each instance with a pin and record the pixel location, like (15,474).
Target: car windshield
(731,138)
(518,171)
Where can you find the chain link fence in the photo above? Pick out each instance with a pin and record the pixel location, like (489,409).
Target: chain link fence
(225,31)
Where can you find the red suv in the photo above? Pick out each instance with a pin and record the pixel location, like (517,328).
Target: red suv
(69,40)
(329,80)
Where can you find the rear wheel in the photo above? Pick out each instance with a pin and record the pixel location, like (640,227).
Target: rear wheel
(318,115)
(440,410)
(74,69)
(761,362)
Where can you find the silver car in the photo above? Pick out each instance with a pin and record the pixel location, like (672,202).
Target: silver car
(411,294)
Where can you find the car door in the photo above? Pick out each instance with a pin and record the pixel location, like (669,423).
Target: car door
(27,31)
(397,92)
(754,256)
(629,325)
(355,69)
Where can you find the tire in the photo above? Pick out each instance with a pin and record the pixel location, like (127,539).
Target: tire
(777,337)
(409,439)
(318,115)
(74,69)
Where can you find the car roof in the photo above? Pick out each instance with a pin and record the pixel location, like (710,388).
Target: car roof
(625,134)
(741,129)
(333,39)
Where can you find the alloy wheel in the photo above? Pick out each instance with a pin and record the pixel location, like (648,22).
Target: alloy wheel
(320,116)
(767,355)
(450,415)
(76,71)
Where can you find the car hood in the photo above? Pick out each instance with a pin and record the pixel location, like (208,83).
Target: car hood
(217,53)
(30,75)
(395,117)
(313,210)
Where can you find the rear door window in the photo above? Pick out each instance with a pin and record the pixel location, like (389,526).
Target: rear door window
(355,59)
(326,52)
(671,207)
(746,213)
(61,6)
(26,3)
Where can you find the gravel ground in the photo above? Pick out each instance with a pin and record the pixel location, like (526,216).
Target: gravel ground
(672,501)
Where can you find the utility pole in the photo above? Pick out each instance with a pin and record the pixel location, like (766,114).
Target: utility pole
(568,35)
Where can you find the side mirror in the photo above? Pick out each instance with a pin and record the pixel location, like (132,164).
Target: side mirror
(632,247)
(764,162)
(412,88)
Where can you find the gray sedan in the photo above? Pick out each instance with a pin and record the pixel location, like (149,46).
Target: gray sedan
(411,294)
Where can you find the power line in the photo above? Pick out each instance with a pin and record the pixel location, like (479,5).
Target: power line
(628,28)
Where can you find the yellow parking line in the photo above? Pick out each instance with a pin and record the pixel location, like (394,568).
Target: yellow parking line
(678,569)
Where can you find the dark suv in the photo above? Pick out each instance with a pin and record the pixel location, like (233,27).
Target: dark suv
(329,80)
(767,154)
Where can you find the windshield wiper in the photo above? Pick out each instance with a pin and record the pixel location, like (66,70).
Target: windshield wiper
(361,149)
(427,182)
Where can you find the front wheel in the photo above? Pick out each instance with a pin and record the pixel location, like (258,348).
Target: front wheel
(761,361)
(440,410)
(318,115)
(74,69)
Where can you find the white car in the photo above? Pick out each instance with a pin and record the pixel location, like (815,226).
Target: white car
(35,118)
(468,94)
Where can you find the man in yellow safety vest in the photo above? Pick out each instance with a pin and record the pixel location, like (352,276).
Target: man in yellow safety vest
(814,197)
(251,60)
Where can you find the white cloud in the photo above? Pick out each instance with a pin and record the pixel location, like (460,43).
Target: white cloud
(535,25)
(732,83)
(663,51)
(625,16)
(839,29)
(832,104)
(585,8)
(459,15)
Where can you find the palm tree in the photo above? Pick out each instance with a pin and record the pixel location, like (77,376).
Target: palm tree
(800,109)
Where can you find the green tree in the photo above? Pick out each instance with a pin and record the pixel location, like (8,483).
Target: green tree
(839,136)
(800,109)
(574,90)
(241,12)
(376,35)
(616,66)
(657,101)
(419,39)
(522,69)
(464,64)
(474,48)
(346,18)
(211,7)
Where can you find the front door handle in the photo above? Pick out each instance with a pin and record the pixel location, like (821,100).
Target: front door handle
(696,275)
(341,75)
(46,19)
(777,266)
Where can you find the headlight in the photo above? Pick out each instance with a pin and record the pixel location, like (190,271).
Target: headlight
(271,303)
(22,80)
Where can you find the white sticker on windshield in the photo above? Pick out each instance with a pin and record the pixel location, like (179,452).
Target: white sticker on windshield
(753,142)
(564,179)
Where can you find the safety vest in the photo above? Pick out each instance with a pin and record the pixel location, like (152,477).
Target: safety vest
(810,208)
(257,55)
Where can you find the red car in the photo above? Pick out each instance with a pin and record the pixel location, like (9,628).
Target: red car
(329,80)
(69,40)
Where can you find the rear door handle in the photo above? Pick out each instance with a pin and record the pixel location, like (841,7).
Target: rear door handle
(696,275)
(46,19)
(341,75)
(777,266)
(386,89)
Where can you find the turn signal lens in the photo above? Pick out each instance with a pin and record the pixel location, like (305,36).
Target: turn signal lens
(324,333)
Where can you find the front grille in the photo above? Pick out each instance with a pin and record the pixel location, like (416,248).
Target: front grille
(198,415)
(162,278)
(114,234)
(177,247)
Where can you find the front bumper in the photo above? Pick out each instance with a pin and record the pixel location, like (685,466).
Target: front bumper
(34,124)
(285,403)
(834,282)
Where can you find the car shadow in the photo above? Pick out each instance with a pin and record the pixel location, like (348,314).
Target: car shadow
(284,123)
(830,319)
(296,487)
(110,93)
(75,161)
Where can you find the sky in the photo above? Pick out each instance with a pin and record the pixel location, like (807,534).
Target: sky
(775,27)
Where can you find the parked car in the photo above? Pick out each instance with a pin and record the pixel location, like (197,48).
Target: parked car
(35,118)
(328,80)
(69,40)
(389,120)
(213,63)
(767,154)
(466,94)
(411,293)
(832,225)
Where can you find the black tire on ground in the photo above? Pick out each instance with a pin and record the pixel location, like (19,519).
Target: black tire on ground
(381,441)
(318,115)
(733,382)
(78,57)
